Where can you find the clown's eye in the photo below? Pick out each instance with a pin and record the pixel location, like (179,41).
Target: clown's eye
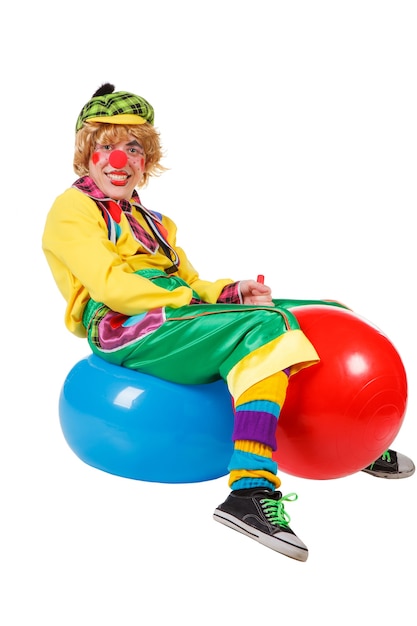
(135,148)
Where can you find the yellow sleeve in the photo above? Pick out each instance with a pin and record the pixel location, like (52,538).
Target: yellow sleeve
(84,263)
(209,291)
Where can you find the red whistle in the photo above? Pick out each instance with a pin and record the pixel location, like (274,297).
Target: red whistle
(260,279)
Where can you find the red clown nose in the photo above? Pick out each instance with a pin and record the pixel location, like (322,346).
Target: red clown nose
(118,159)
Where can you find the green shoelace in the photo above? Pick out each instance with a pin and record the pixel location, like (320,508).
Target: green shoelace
(385,457)
(274,509)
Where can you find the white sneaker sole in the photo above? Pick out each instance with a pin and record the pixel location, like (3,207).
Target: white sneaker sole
(285,543)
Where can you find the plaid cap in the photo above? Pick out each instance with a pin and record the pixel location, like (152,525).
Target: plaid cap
(120,107)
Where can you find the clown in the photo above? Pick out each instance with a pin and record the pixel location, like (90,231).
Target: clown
(136,297)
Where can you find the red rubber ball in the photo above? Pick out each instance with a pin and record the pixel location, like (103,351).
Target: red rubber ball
(344,412)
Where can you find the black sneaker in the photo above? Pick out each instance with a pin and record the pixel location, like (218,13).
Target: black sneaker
(259,513)
(391,464)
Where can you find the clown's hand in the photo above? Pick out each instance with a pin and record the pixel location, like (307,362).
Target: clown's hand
(255,293)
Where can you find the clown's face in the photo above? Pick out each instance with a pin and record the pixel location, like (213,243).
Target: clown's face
(118,168)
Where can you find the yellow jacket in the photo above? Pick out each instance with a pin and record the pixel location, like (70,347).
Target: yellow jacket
(86,264)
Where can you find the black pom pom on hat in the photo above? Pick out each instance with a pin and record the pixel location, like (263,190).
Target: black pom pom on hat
(104,90)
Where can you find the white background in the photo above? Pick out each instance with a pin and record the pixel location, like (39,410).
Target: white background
(290,134)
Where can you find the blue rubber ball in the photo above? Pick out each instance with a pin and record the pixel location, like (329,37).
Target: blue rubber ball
(141,427)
